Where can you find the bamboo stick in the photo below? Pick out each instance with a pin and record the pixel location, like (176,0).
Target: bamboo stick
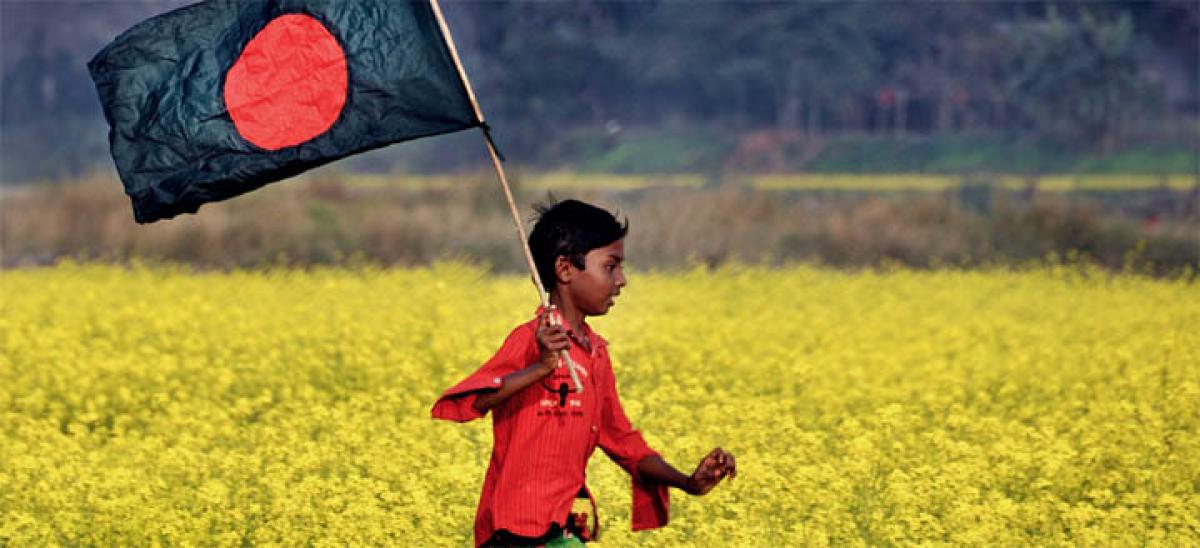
(564,356)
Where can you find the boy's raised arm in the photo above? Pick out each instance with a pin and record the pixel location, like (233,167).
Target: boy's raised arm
(518,363)
(551,339)
(511,384)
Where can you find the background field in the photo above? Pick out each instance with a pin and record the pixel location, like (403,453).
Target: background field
(154,405)
(676,220)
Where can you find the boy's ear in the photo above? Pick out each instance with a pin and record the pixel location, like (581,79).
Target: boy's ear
(563,269)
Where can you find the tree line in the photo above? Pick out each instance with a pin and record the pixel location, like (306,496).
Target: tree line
(1094,75)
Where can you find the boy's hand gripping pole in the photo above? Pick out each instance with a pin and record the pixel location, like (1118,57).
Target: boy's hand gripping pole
(564,356)
(512,206)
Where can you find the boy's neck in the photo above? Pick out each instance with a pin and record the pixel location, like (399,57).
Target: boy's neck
(570,313)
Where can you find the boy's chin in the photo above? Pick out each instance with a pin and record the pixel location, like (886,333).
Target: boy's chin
(602,309)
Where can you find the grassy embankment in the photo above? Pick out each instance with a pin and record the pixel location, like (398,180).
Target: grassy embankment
(841,220)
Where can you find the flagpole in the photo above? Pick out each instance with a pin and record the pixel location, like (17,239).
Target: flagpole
(499,168)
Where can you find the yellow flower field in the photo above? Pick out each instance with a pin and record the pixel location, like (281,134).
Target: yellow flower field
(154,406)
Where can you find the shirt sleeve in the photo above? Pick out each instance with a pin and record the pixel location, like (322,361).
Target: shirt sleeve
(458,403)
(626,446)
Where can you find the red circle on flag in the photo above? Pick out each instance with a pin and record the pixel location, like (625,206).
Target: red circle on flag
(288,85)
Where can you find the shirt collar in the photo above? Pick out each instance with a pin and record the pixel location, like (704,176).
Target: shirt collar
(593,338)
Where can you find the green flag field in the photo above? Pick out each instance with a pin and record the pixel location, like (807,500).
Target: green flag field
(156,405)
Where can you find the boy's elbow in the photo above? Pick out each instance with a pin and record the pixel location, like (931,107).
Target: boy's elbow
(481,405)
(457,409)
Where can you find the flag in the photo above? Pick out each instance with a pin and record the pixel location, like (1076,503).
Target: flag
(222,97)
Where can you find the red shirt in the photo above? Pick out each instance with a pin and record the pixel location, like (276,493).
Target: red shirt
(544,438)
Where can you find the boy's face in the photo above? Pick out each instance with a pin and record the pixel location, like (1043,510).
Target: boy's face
(594,288)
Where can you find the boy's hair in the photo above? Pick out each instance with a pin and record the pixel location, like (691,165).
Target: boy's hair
(571,228)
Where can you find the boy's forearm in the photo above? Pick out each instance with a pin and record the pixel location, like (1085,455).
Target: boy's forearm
(654,467)
(511,384)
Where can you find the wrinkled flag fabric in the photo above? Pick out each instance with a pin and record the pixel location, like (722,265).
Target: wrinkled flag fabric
(222,97)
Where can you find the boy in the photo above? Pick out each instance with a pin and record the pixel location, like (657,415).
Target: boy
(544,431)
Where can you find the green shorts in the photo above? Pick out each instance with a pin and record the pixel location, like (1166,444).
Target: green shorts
(566,540)
(504,538)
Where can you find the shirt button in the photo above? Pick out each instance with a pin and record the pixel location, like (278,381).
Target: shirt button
(594,429)
(496,380)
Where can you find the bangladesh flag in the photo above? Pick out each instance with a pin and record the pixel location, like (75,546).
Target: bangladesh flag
(220,98)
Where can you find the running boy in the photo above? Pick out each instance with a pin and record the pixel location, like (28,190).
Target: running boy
(544,431)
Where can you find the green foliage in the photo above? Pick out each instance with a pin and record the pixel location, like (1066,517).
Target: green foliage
(1078,80)
(1011,154)
(1142,160)
(661,153)
(564,83)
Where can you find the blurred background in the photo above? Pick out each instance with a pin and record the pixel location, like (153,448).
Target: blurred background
(850,134)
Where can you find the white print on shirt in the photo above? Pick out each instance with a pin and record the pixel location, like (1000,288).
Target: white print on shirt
(578,368)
